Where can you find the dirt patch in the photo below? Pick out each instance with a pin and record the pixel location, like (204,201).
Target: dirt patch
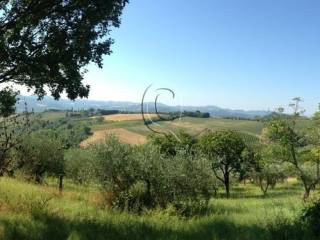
(123,135)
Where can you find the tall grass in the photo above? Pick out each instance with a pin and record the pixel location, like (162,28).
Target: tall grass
(29,211)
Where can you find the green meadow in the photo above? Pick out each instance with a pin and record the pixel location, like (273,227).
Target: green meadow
(32,212)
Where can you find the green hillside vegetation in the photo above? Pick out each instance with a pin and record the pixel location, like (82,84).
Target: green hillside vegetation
(193,126)
(171,187)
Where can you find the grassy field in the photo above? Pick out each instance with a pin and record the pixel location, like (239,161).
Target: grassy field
(52,115)
(29,211)
(192,125)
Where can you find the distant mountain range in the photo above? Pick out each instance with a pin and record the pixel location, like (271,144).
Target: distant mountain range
(49,103)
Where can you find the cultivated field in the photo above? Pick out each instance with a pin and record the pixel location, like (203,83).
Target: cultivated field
(130,128)
(123,134)
(127,117)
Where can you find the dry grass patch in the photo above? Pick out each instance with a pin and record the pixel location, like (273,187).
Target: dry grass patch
(127,117)
(123,135)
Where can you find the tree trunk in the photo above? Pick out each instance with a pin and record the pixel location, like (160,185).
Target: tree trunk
(307,187)
(264,188)
(60,183)
(227,184)
(38,178)
(306,194)
(149,198)
(318,169)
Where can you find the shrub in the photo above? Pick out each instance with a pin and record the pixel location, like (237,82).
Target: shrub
(311,218)
(135,178)
(192,208)
(80,165)
(170,144)
(40,153)
(116,171)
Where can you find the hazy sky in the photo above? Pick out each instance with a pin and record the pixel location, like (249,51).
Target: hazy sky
(248,54)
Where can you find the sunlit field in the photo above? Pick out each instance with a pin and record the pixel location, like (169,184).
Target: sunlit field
(31,212)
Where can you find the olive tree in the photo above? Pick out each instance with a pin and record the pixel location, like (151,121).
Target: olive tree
(170,144)
(137,177)
(40,154)
(266,170)
(80,165)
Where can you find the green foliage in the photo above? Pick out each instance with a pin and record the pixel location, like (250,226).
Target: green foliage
(8,100)
(193,208)
(12,127)
(12,130)
(80,165)
(142,177)
(70,131)
(295,149)
(170,144)
(36,212)
(116,170)
(224,149)
(311,218)
(196,114)
(39,154)
(283,131)
(48,43)
(263,167)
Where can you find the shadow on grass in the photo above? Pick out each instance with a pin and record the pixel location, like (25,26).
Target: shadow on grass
(52,227)
(271,194)
(278,192)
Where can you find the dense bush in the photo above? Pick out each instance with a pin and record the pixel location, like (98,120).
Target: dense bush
(70,131)
(80,165)
(311,218)
(196,114)
(170,144)
(116,170)
(135,178)
(264,169)
(40,153)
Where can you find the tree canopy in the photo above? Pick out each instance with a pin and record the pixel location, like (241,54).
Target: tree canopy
(48,43)
(224,149)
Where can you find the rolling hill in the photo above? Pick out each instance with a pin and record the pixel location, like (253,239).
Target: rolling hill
(63,104)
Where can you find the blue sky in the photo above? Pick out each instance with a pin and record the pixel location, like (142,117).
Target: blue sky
(240,54)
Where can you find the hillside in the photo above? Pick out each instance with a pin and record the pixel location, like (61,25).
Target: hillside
(135,132)
(49,103)
(130,128)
